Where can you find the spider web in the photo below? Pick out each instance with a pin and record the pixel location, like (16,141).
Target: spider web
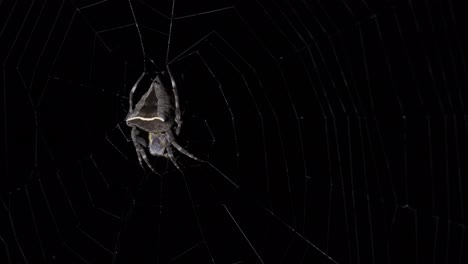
(333,131)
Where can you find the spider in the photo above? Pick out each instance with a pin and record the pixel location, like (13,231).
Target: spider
(157,115)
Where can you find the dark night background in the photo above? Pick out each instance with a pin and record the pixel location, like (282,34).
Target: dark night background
(335,132)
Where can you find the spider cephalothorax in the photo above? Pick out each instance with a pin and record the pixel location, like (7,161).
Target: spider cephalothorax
(156,115)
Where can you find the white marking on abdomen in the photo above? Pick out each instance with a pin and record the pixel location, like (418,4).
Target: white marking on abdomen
(146,118)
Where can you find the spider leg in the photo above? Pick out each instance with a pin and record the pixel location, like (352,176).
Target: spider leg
(145,158)
(170,155)
(133,91)
(141,154)
(174,143)
(137,145)
(178,119)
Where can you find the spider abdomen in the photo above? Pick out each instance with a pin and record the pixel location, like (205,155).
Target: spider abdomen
(154,112)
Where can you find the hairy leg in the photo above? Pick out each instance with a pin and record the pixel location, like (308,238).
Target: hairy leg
(133,91)
(178,119)
(141,153)
(174,143)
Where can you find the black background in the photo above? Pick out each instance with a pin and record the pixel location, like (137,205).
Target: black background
(335,132)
